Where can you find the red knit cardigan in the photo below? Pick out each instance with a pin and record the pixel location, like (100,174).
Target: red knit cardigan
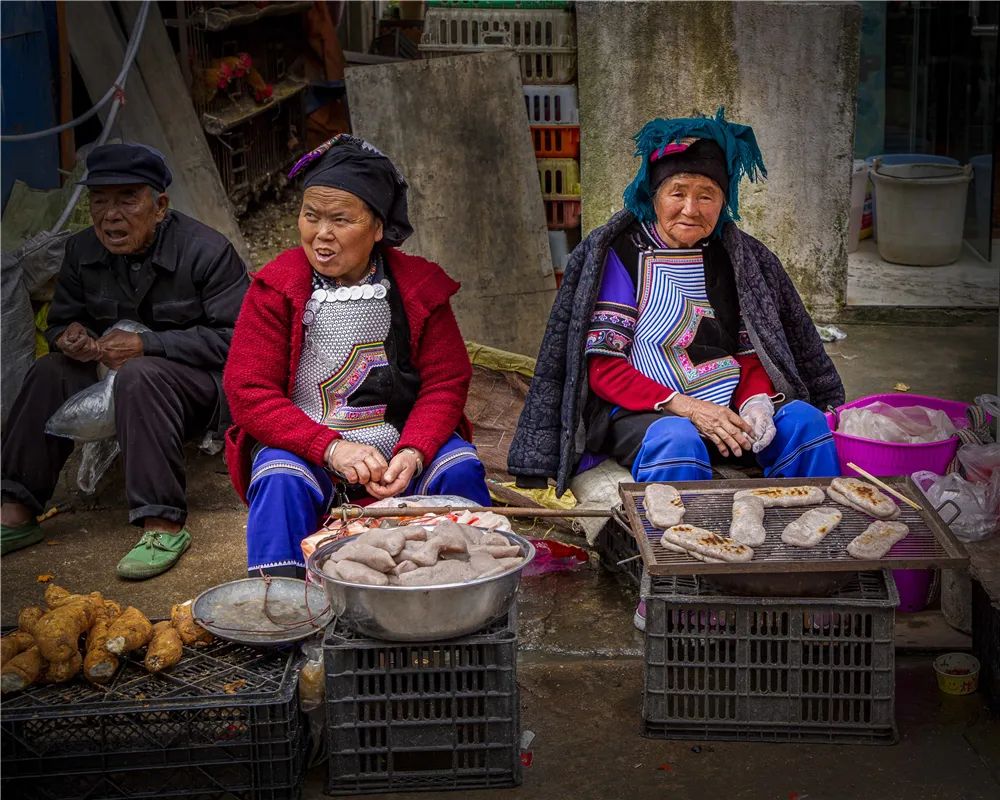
(264,355)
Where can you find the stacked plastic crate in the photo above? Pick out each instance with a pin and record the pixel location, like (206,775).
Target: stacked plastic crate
(422,716)
(543,34)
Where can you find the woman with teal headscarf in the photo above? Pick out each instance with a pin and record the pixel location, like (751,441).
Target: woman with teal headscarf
(676,339)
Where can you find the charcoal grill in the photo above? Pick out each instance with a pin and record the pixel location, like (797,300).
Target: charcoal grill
(709,505)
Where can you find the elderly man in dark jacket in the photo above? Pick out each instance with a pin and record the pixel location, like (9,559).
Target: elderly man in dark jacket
(140,261)
(675,334)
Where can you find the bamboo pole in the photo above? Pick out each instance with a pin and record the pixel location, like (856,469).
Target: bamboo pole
(357,512)
(67,140)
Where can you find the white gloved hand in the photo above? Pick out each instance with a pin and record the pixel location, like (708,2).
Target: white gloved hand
(758,411)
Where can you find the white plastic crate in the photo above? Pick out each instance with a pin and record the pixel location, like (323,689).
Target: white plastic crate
(551,105)
(473,28)
(544,40)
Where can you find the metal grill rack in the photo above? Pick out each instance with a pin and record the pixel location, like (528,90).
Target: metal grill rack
(709,505)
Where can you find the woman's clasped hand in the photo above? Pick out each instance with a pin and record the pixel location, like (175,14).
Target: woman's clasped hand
(722,426)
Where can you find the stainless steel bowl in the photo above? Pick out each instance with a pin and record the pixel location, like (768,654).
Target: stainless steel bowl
(420,613)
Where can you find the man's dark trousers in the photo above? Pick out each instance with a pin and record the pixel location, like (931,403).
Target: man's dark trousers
(158,405)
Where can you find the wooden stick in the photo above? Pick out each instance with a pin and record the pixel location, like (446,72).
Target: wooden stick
(356,512)
(884,486)
(67,141)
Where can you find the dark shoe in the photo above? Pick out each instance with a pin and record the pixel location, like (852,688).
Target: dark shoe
(156,552)
(14,537)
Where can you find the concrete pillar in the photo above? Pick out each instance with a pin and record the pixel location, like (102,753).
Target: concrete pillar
(457,129)
(788,69)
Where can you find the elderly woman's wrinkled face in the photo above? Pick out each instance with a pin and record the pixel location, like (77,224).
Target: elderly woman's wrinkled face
(338,231)
(125,217)
(687,207)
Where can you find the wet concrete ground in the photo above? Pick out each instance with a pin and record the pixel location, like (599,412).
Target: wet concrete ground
(581,664)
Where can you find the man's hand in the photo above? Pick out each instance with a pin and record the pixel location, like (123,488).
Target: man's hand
(722,426)
(403,468)
(357,463)
(76,343)
(119,346)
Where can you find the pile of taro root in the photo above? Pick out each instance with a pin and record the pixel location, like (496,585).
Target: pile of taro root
(89,634)
(414,556)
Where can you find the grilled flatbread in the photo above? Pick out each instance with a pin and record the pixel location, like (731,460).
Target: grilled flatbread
(707,543)
(694,554)
(747,526)
(877,540)
(784,496)
(863,497)
(812,527)
(664,507)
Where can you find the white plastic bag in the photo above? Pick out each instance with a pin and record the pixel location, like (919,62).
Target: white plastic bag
(89,415)
(95,459)
(978,504)
(980,462)
(885,423)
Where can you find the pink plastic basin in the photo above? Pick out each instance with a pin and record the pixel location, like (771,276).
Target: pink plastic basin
(894,458)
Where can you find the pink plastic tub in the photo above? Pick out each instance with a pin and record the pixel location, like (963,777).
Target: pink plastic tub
(893,458)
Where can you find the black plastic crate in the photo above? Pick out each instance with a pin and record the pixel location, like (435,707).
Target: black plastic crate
(224,722)
(405,716)
(770,669)
(615,543)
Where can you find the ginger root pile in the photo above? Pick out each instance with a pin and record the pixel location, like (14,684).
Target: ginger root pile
(46,646)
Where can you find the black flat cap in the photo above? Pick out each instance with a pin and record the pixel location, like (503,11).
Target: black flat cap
(118,164)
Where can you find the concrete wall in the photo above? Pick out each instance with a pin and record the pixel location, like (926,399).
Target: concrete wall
(788,69)
(456,128)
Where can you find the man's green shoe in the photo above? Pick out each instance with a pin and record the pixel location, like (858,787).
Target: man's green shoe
(14,537)
(156,552)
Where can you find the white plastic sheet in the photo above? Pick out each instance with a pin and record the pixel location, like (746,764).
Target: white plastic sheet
(885,423)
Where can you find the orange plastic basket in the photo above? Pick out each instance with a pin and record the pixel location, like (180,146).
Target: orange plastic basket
(556,141)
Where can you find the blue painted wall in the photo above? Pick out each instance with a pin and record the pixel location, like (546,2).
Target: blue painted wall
(27,38)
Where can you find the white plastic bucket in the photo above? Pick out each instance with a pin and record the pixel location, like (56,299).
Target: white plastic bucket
(920,212)
(859,186)
(868,219)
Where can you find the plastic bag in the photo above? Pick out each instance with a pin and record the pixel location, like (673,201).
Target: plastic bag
(89,415)
(885,423)
(978,504)
(553,556)
(980,462)
(95,459)
(312,690)
(312,697)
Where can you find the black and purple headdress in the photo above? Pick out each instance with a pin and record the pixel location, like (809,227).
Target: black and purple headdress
(352,164)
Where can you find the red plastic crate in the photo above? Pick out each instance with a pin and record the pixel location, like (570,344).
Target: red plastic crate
(556,141)
(562,214)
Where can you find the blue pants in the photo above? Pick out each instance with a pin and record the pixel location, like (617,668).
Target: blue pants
(289,496)
(673,450)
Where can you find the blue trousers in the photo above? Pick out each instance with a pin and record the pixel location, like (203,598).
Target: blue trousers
(673,450)
(289,497)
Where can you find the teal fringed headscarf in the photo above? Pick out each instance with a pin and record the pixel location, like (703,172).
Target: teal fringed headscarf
(737,142)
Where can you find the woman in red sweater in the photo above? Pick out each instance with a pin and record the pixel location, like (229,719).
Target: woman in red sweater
(347,375)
